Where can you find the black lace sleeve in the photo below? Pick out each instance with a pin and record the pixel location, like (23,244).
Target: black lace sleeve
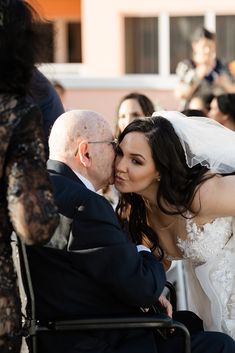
(30,201)
(26,204)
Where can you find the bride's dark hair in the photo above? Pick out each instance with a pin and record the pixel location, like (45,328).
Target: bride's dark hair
(177,183)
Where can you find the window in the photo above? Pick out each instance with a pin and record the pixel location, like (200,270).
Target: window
(47,31)
(181,29)
(225,33)
(74,42)
(72,48)
(141,45)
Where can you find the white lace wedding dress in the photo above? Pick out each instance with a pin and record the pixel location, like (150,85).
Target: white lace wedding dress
(210,268)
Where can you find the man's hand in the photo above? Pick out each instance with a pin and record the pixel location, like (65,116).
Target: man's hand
(203,70)
(166,304)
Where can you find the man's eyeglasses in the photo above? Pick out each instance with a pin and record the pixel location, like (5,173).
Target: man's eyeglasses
(113,143)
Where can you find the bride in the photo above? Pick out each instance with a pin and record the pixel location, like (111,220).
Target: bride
(174,174)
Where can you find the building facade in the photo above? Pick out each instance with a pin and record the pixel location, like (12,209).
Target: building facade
(115,46)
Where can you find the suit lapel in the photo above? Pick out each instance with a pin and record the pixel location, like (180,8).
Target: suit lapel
(61,168)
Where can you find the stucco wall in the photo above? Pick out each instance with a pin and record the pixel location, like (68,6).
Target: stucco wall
(105,101)
(103,47)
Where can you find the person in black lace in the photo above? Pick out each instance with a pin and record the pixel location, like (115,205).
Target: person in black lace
(26,202)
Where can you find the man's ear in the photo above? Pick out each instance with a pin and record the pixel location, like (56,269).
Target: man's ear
(83,153)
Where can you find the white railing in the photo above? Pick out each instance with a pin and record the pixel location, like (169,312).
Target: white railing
(74,76)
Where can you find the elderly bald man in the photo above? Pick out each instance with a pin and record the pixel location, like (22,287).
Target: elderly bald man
(90,267)
(83,141)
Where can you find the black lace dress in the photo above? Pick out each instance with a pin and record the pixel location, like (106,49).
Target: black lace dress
(26,203)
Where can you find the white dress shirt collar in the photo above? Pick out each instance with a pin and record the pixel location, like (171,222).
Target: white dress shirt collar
(86,182)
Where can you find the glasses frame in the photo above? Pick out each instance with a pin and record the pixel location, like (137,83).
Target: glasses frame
(113,143)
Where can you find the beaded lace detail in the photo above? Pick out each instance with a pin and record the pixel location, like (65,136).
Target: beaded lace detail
(205,242)
(213,243)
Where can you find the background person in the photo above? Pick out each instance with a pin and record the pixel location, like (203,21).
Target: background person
(132,106)
(193,112)
(222,109)
(26,201)
(204,73)
(201,102)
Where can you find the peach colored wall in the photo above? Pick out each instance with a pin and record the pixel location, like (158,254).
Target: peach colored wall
(105,101)
(103,44)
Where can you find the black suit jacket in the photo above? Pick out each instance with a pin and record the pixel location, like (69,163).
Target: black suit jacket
(91,268)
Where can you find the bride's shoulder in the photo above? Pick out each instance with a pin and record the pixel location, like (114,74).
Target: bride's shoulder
(207,186)
(215,183)
(213,197)
(205,192)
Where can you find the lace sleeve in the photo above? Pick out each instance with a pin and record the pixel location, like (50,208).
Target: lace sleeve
(30,201)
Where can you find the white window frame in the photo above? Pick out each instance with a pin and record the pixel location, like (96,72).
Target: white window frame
(74,75)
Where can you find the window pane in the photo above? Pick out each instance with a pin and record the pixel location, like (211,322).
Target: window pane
(225,32)
(141,45)
(46,30)
(74,42)
(181,29)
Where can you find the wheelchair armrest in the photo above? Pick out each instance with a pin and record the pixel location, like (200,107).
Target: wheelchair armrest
(158,321)
(122,322)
